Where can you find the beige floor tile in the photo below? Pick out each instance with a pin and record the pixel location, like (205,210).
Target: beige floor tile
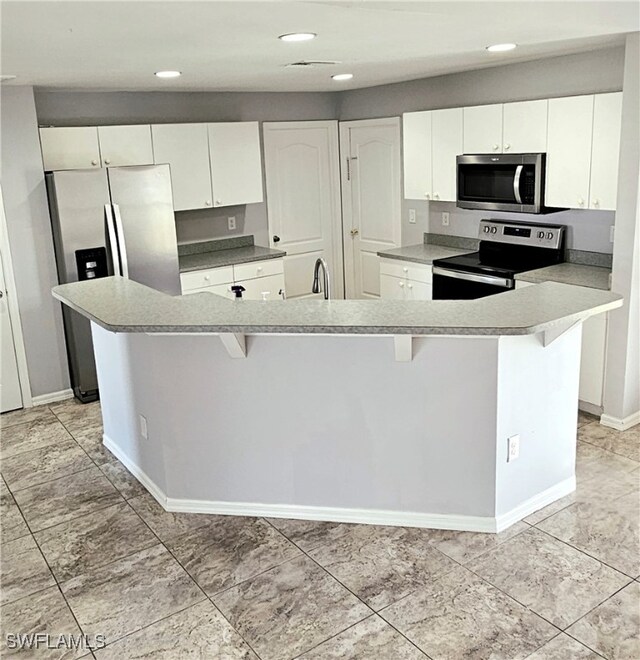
(551,578)
(23,570)
(130,593)
(462,616)
(290,609)
(122,479)
(369,639)
(43,613)
(65,499)
(586,418)
(26,416)
(80,545)
(12,524)
(229,549)
(592,462)
(197,633)
(37,434)
(383,564)
(77,416)
(166,524)
(309,534)
(563,647)
(90,439)
(465,546)
(625,443)
(608,531)
(41,465)
(613,628)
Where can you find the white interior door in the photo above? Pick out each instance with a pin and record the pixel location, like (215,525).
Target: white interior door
(10,393)
(303,201)
(371,200)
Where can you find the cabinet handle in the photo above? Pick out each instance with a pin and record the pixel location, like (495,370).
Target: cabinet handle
(400,283)
(405,269)
(94,162)
(507,147)
(207,277)
(596,203)
(218,202)
(259,269)
(208,202)
(436,196)
(496,147)
(580,201)
(107,161)
(427,195)
(410,286)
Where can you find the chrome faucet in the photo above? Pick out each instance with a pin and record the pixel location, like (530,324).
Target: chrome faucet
(326,287)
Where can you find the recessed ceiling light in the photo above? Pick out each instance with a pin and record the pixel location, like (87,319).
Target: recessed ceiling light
(500,48)
(298,36)
(342,76)
(168,74)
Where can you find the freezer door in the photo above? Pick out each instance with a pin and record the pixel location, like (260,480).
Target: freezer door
(145,225)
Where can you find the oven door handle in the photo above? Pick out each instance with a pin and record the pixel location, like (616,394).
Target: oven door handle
(516,184)
(472,277)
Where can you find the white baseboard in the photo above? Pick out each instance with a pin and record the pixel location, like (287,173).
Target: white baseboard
(620,424)
(591,408)
(535,503)
(52,397)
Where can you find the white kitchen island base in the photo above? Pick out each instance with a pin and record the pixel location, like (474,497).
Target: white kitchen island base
(332,427)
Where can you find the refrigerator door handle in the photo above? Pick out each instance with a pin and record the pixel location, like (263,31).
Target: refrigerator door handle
(113,240)
(122,248)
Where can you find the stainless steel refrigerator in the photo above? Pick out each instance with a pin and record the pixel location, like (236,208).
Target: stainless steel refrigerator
(113,221)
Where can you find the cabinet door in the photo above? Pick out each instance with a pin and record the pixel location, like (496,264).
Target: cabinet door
(446,144)
(569,151)
(185,147)
(70,148)
(416,154)
(605,150)
(236,163)
(483,129)
(524,127)
(594,342)
(392,288)
(255,287)
(418,290)
(125,145)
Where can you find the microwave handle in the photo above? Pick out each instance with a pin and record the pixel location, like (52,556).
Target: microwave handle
(516,184)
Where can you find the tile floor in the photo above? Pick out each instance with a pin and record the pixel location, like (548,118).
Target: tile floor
(86,550)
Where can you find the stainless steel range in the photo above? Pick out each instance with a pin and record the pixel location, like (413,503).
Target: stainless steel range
(506,248)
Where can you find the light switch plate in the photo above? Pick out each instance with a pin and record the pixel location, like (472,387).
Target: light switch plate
(412,216)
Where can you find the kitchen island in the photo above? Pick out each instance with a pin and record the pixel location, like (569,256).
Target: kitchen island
(358,411)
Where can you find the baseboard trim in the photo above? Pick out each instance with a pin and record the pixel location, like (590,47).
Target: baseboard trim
(590,408)
(52,397)
(620,424)
(139,474)
(535,503)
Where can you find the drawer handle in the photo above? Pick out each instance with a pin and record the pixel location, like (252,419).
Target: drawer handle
(259,269)
(400,283)
(405,269)
(94,162)
(410,286)
(207,277)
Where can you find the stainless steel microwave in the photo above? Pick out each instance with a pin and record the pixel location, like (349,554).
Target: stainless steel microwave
(502,182)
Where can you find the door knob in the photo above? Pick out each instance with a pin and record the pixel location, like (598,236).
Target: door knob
(276,239)
(354,232)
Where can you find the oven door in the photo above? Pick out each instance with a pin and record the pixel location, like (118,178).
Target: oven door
(458,285)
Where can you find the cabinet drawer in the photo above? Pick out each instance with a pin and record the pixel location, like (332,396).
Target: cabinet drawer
(201,279)
(406,269)
(258,269)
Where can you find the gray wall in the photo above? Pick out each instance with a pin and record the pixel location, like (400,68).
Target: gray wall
(30,240)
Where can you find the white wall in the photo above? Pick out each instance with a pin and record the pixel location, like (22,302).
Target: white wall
(31,243)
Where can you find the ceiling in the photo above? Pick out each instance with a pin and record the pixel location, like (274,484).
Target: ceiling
(233,46)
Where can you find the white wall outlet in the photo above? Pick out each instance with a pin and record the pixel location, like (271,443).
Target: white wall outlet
(612,230)
(445,219)
(514,448)
(143,427)
(412,216)
(231,221)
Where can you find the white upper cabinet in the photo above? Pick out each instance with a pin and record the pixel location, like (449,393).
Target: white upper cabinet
(446,144)
(73,148)
(569,151)
(525,127)
(416,153)
(125,145)
(483,129)
(605,150)
(185,147)
(236,163)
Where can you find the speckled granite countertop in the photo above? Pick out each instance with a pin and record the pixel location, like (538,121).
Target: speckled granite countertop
(229,257)
(121,305)
(423,253)
(595,277)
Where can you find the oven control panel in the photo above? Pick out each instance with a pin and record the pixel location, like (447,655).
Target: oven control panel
(521,233)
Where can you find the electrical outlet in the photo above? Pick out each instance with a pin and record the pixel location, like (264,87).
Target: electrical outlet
(514,448)
(143,427)
(231,221)
(445,219)
(612,230)
(412,216)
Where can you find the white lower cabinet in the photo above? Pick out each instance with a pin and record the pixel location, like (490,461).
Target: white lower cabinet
(593,356)
(271,286)
(404,280)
